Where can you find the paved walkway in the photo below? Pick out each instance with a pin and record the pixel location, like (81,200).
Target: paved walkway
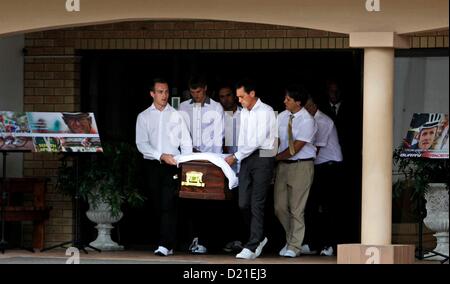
(147,257)
(58,256)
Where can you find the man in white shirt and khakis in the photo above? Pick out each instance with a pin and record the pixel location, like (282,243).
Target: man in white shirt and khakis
(295,171)
(161,134)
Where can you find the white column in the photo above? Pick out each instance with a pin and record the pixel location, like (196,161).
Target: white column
(377,146)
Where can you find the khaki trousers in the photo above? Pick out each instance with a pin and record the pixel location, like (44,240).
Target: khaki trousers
(292,185)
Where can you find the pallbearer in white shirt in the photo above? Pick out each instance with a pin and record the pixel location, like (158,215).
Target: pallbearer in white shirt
(295,171)
(233,225)
(205,120)
(232,119)
(323,210)
(256,145)
(161,134)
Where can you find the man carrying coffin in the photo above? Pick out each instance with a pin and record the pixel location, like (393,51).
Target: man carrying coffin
(257,138)
(205,120)
(160,135)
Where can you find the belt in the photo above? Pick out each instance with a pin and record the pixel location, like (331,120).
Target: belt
(296,161)
(329,163)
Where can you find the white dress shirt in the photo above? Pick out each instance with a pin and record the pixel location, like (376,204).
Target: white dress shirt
(162,132)
(258,131)
(205,123)
(327,139)
(232,126)
(304,129)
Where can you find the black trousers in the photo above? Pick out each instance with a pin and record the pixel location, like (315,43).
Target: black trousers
(214,222)
(234,227)
(255,177)
(164,196)
(203,218)
(323,211)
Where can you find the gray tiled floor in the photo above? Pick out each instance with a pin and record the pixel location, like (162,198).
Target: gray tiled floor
(52,260)
(147,257)
(58,256)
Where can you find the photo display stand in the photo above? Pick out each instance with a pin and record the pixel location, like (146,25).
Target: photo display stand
(71,134)
(427,138)
(77,241)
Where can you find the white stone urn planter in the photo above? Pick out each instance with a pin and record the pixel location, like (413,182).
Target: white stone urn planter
(102,216)
(437,218)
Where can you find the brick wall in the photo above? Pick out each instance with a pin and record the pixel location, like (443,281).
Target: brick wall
(51,84)
(52,71)
(430,39)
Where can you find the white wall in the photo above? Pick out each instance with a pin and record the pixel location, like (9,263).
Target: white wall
(421,85)
(11,90)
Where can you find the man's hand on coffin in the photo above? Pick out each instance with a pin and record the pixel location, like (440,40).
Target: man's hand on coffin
(168,159)
(230,159)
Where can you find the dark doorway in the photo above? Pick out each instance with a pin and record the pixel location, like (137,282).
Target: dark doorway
(115,86)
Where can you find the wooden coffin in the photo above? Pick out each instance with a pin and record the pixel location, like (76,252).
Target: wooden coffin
(203,180)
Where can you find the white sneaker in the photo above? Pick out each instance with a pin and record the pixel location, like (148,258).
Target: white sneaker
(327,251)
(246,254)
(260,247)
(197,248)
(305,249)
(283,250)
(193,244)
(163,251)
(291,253)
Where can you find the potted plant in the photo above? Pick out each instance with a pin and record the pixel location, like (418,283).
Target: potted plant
(429,180)
(106,180)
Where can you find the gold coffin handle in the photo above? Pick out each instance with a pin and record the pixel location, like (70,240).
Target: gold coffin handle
(194,178)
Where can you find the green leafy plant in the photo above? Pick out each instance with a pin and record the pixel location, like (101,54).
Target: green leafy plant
(419,173)
(415,175)
(106,177)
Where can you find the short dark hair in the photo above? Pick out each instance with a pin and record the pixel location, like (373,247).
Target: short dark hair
(197,81)
(227,86)
(158,80)
(298,93)
(314,99)
(248,85)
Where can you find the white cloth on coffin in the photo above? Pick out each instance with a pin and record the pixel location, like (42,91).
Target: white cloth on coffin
(216,159)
